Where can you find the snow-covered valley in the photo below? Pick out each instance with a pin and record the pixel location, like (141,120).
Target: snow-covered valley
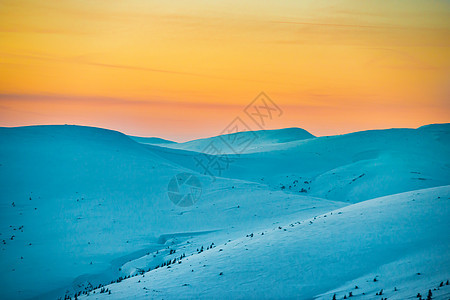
(292,216)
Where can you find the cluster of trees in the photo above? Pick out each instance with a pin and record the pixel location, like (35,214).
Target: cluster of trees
(76,295)
(429,296)
(380,293)
(170,262)
(294,184)
(207,248)
(91,288)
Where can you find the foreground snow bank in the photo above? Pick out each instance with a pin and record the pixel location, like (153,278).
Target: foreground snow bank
(384,243)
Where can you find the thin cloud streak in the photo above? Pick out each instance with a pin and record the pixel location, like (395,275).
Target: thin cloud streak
(126,67)
(90,100)
(336,25)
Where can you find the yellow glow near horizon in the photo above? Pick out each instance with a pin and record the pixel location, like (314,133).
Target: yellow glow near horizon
(185,69)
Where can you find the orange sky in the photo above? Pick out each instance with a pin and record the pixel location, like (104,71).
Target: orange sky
(184,70)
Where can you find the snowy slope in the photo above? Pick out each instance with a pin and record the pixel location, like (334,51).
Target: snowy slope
(244,142)
(150,140)
(82,205)
(79,202)
(352,167)
(70,185)
(401,240)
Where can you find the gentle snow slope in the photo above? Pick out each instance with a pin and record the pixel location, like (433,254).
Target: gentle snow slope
(150,140)
(83,205)
(244,142)
(76,203)
(352,167)
(392,239)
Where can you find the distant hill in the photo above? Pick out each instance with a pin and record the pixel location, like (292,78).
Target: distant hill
(150,140)
(351,167)
(245,142)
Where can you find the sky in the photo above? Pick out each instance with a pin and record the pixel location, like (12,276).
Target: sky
(186,69)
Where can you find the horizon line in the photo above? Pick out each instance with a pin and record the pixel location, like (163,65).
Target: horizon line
(213,136)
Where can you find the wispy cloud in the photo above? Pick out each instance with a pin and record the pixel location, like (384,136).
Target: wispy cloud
(398,59)
(333,25)
(81,59)
(100,100)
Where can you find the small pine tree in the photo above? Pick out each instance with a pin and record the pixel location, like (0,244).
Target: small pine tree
(350,294)
(419,296)
(334,297)
(430,294)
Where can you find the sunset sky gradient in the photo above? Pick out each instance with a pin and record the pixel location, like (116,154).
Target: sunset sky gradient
(185,69)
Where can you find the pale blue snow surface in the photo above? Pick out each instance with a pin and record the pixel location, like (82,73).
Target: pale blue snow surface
(82,205)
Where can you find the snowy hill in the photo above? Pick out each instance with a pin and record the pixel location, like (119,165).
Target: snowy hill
(245,142)
(79,201)
(352,167)
(61,188)
(83,206)
(374,245)
(150,140)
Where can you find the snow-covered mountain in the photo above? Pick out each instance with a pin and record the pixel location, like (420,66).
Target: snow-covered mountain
(83,206)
